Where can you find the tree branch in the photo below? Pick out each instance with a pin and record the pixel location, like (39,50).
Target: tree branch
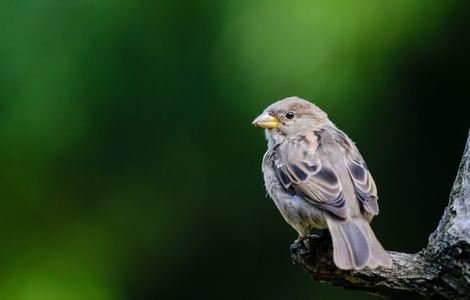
(440,271)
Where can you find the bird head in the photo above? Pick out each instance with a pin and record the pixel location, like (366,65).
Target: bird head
(289,117)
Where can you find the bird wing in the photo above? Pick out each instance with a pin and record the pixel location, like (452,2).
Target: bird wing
(364,184)
(302,171)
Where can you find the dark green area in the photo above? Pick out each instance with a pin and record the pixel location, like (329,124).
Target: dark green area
(129,165)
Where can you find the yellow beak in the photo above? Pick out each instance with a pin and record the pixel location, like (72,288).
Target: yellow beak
(266,121)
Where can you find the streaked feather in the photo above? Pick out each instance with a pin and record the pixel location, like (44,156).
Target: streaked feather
(300,169)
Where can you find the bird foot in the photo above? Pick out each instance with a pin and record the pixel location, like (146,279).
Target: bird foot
(300,239)
(302,244)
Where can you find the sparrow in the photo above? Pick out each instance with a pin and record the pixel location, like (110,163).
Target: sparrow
(317,178)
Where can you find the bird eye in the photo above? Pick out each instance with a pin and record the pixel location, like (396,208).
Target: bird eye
(290,115)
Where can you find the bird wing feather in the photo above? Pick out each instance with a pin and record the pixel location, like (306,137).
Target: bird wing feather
(301,170)
(364,185)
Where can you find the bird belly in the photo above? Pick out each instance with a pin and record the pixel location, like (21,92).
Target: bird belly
(297,212)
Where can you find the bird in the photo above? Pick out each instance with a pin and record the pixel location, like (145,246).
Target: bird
(317,178)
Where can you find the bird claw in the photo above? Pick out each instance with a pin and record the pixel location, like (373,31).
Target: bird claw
(302,244)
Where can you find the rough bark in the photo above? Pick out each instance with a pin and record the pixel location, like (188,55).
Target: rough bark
(439,271)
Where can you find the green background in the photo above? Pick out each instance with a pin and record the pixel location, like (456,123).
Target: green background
(129,165)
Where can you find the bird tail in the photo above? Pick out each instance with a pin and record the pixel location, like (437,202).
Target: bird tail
(355,245)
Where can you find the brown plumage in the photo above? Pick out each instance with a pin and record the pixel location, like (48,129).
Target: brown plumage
(317,179)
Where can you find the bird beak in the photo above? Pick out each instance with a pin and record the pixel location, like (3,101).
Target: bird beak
(266,121)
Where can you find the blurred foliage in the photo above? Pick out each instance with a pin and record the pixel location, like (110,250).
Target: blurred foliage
(130,169)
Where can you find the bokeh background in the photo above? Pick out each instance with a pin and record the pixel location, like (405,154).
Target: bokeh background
(129,165)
